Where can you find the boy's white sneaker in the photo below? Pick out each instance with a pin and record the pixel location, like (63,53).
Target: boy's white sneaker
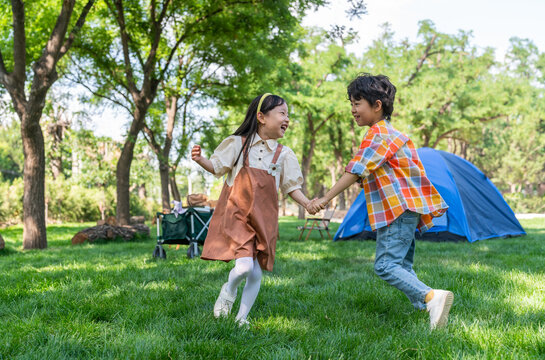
(224,303)
(439,307)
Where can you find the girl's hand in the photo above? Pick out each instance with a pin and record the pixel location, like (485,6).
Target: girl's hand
(196,154)
(312,208)
(316,205)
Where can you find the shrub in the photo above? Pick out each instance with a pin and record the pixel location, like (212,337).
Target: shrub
(11,201)
(525,204)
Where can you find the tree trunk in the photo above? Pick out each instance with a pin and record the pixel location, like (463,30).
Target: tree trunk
(541,189)
(56,131)
(165,194)
(34,229)
(30,110)
(142,193)
(309,143)
(283,204)
(173,186)
(163,154)
(337,139)
(123,171)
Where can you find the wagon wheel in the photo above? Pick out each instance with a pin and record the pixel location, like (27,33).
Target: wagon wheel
(159,252)
(190,251)
(193,250)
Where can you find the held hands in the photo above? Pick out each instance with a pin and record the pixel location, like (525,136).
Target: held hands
(316,205)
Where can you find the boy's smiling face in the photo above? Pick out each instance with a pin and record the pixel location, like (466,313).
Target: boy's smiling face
(366,114)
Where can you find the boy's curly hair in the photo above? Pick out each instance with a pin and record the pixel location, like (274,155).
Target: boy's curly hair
(373,88)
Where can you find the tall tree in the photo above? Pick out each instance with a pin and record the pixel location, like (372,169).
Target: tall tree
(129,67)
(15,66)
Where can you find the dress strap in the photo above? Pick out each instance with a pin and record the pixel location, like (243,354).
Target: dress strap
(277,153)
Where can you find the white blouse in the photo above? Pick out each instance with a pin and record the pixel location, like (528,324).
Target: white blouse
(289,177)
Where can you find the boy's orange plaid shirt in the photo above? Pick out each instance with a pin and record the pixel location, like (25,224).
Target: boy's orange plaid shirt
(394,179)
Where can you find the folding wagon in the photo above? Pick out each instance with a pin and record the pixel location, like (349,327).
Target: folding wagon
(188,227)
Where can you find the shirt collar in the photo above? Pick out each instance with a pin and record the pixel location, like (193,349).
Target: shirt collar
(382,122)
(271,143)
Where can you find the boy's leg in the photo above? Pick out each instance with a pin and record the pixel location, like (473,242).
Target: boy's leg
(395,248)
(409,259)
(249,294)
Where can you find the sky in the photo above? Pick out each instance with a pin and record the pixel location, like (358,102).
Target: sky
(493,23)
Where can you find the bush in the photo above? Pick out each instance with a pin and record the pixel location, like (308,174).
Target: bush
(525,204)
(67,201)
(72,202)
(11,201)
(143,207)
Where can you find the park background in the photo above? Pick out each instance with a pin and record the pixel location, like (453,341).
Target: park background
(453,95)
(100,102)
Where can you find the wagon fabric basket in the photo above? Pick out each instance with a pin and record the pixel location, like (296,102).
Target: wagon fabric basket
(188,227)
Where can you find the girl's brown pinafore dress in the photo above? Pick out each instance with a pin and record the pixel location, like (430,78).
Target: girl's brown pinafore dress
(245,221)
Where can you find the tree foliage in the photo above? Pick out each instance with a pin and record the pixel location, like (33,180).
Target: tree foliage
(189,47)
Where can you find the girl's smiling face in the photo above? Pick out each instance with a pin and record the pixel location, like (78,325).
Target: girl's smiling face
(366,114)
(274,123)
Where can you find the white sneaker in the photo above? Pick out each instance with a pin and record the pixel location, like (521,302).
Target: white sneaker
(224,303)
(439,307)
(243,323)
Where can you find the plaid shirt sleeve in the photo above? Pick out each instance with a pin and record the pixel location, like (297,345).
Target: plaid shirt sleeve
(374,151)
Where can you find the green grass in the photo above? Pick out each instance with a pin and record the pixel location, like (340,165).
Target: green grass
(112,300)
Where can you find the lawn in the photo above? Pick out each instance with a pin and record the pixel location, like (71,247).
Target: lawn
(322,301)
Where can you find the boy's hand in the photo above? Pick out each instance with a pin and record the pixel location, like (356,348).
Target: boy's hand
(196,153)
(316,205)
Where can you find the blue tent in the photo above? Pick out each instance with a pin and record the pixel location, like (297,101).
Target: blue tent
(476,211)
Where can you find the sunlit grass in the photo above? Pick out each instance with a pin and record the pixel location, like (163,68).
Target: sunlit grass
(113,300)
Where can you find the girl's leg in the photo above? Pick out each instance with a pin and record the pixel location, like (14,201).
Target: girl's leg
(251,289)
(395,247)
(224,303)
(243,268)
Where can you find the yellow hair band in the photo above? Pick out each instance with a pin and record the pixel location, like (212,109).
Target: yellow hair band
(261,102)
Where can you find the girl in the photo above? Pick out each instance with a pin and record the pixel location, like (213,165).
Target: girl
(244,225)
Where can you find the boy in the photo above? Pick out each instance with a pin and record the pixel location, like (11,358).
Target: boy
(399,196)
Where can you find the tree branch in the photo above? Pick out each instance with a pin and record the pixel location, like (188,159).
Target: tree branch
(151,141)
(149,85)
(95,93)
(3,70)
(120,18)
(442,136)
(323,122)
(183,36)
(19,42)
(79,80)
(485,119)
(445,107)
(79,24)
(51,54)
(422,59)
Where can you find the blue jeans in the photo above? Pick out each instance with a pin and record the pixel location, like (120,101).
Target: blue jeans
(394,258)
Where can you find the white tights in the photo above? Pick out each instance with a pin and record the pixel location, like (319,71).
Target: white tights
(249,269)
